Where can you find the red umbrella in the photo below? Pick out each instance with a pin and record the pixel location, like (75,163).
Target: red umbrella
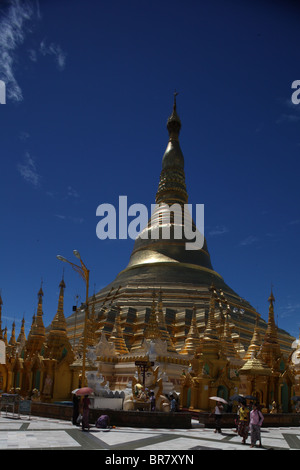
(84,391)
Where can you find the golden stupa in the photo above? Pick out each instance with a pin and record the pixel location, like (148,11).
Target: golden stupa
(177,280)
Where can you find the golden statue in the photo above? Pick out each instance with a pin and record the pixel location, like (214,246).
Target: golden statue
(141,393)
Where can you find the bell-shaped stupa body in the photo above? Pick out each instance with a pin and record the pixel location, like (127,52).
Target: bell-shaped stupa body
(171,236)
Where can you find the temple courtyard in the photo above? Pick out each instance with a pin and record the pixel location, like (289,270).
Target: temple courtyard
(49,434)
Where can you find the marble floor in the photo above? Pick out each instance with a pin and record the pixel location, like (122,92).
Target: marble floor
(41,433)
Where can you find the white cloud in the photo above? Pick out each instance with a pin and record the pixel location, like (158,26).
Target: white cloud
(24,136)
(249,240)
(12,35)
(28,170)
(72,192)
(219,230)
(290,309)
(15,17)
(56,51)
(32,55)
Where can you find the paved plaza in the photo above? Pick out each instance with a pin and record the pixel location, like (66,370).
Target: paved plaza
(49,434)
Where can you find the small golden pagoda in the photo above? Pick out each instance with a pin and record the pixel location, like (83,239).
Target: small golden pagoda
(267,374)
(213,368)
(255,344)
(58,356)
(192,341)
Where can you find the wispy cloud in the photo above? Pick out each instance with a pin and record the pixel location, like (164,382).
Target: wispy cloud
(28,170)
(290,309)
(219,230)
(15,19)
(288,118)
(291,113)
(249,241)
(24,136)
(71,192)
(294,222)
(53,50)
(15,15)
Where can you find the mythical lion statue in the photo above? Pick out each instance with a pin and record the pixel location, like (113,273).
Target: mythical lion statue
(141,394)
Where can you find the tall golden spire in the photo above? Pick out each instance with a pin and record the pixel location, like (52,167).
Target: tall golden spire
(172,188)
(36,337)
(117,337)
(21,340)
(226,339)
(57,342)
(152,329)
(192,341)
(13,341)
(22,336)
(255,343)
(163,240)
(270,350)
(271,333)
(59,321)
(210,342)
(211,330)
(37,326)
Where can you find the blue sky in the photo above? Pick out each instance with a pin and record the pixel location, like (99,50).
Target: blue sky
(89,87)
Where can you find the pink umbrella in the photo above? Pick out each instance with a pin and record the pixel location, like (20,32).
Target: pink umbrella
(84,391)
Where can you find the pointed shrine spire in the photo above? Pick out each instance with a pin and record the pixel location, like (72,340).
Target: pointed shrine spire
(192,341)
(172,186)
(59,321)
(255,343)
(22,335)
(226,339)
(271,333)
(37,327)
(117,337)
(210,342)
(270,350)
(13,341)
(211,330)
(174,123)
(152,329)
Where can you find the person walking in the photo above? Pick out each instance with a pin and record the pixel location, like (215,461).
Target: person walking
(85,412)
(236,420)
(76,401)
(243,426)
(256,420)
(218,416)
